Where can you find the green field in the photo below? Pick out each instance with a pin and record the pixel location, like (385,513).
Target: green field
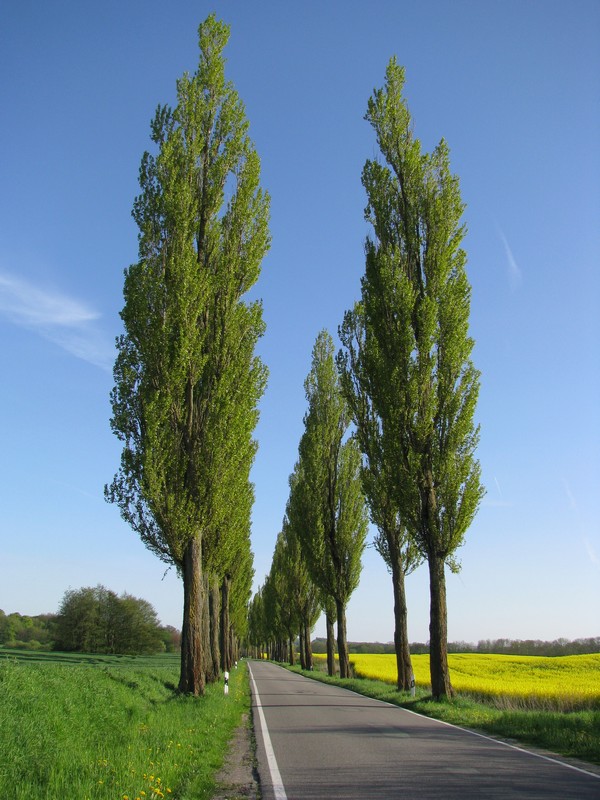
(103,727)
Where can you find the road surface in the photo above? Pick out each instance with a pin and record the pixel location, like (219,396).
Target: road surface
(316,741)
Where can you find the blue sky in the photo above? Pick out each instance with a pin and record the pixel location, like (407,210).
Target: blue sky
(514,87)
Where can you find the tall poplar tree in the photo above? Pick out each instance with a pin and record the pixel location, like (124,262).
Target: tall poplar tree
(187,382)
(392,541)
(329,491)
(416,301)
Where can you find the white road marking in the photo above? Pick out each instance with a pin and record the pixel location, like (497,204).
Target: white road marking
(278,788)
(504,744)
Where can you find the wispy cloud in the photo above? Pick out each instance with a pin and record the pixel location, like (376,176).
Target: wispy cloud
(592,554)
(515,276)
(588,546)
(63,320)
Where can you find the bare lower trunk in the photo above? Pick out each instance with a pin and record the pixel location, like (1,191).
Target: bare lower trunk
(329,622)
(225,625)
(308,657)
(215,607)
(191,679)
(209,673)
(291,653)
(438,630)
(403,662)
(302,649)
(341,640)
(233,647)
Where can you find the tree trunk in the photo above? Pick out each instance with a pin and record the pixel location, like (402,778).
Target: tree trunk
(341,640)
(215,607)
(308,657)
(191,679)
(225,624)
(209,673)
(301,647)
(291,653)
(330,644)
(403,662)
(438,630)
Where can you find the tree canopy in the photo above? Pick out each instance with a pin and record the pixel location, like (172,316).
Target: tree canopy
(187,380)
(417,348)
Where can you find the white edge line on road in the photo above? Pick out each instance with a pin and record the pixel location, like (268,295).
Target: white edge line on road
(278,788)
(504,744)
(481,735)
(449,725)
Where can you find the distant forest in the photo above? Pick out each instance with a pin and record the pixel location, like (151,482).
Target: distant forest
(92,620)
(520,647)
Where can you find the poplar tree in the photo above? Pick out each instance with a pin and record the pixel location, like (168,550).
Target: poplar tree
(424,386)
(329,492)
(392,541)
(187,382)
(303,593)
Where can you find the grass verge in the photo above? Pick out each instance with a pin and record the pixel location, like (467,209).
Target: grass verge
(112,731)
(572,734)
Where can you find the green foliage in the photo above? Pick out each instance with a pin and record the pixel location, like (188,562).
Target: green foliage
(417,350)
(187,380)
(327,508)
(32,633)
(392,541)
(96,620)
(112,731)
(408,351)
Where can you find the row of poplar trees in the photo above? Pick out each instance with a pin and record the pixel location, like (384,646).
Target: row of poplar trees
(317,560)
(392,422)
(406,380)
(187,380)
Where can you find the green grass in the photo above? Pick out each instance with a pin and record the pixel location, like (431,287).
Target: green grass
(574,734)
(113,728)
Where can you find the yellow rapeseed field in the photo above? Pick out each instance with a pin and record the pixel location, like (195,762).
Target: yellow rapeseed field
(563,682)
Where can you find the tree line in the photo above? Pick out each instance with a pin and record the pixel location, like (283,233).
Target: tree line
(92,620)
(404,379)
(522,647)
(389,430)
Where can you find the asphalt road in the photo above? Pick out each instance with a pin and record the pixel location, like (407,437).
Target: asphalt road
(320,741)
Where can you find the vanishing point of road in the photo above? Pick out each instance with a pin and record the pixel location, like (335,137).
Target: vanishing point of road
(321,742)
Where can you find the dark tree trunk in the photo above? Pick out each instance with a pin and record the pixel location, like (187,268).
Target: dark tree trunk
(209,673)
(403,662)
(438,630)
(225,625)
(215,607)
(341,640)
(302,647)
(191,679)
(330,644)
(291,653)
(308,658)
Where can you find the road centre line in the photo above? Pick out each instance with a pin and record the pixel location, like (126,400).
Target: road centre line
(276,780)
